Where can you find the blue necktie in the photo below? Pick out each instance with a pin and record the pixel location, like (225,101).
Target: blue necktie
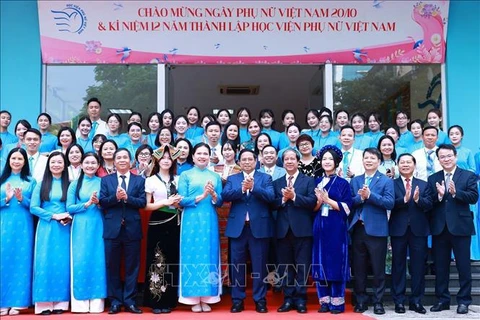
(94,128)
(429,163)
(368,180)
(124,184)
(30,164)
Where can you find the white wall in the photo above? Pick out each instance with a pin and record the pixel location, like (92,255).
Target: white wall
(281,87)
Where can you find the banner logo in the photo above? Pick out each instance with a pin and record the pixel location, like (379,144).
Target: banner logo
(71,19)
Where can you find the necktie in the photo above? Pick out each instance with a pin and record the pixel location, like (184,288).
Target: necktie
(94,128)
(124,183)
(447,182)
(407,184)
(345,163)
(290,178)
(368,180)
(429,162)
(30,164)
(367,183)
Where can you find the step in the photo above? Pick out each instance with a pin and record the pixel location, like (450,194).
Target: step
(429,297)
(475,265)
(429,280)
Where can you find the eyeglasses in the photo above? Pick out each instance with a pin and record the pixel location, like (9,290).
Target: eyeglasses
(304,144)
(144,154)
(445,157)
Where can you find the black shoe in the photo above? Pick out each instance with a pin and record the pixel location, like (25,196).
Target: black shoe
(324,308)
(45,313)
(114,309)
(378,308)
(133,309)
(285,307)
(261,307)
(440,307)
(301,308)
(399,308)
(417,307)
(156,311)
(336,311)
(57,311)
(166,310)
(360,308)
(462,309)
(237,307)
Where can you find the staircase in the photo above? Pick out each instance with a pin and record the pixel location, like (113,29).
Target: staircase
(429,298)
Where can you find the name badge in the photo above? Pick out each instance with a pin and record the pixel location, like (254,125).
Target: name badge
(325,210)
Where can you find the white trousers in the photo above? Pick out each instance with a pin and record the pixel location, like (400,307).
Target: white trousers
(84,306)
(196,300)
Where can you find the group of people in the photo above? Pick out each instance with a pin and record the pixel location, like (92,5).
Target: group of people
(316,203)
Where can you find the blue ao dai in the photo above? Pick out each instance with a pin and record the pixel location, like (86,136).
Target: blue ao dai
(199,238)
(88,252)
(51,263)
(16,245)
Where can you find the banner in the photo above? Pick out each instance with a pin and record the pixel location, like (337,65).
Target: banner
(243,32)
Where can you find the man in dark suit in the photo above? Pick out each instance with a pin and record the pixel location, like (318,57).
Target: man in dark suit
(249,227)
(121,195)
(409,230)
(451,191)
(294,200)
(373,195)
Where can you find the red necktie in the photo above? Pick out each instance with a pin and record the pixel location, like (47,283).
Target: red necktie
(290,181)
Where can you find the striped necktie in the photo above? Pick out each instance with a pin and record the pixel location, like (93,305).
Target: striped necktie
(429,163)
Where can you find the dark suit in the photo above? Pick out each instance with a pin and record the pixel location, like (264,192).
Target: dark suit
(409,230)
(122,228)
(369,226)
(252,236)
(452,226)
(294,225)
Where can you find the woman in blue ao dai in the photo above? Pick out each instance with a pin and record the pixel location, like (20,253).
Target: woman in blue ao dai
(88,288)
(16,234)
(330,268)
(51,262)
(200,282)
(134,130)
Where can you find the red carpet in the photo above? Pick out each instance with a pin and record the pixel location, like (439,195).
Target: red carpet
(220,311)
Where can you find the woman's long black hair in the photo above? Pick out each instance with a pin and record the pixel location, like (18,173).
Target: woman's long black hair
(46,187)
(82,174)
(7,171)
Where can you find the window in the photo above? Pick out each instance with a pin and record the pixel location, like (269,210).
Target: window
(121,89)
(387,89)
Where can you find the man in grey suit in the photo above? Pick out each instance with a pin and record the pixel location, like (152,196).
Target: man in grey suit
(269,167)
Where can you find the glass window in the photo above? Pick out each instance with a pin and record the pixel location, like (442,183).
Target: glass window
(121,89)
(387,89)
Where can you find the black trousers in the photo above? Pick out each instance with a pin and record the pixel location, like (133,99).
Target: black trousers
(442,246)
(365,248)
(294,260)
(417,248)
(113,253)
